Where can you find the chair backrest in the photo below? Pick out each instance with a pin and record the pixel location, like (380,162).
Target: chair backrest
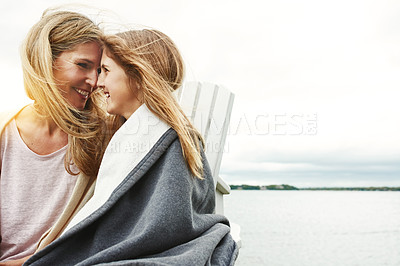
(209,107)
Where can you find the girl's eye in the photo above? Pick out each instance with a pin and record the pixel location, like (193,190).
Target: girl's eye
(99,71)
(104,69)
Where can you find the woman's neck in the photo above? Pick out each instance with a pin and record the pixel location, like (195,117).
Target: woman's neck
(40,133)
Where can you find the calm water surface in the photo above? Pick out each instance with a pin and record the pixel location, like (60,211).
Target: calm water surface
(313,228)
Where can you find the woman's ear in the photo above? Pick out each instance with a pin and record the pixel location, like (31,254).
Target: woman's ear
(137,89)
(139,92)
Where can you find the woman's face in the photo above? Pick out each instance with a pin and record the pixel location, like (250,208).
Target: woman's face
(75,72)
(121,95)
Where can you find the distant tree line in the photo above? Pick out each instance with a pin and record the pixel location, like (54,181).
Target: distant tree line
(356,188)
(288,187)
(270,187)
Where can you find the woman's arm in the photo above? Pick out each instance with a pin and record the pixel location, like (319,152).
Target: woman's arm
(17,262)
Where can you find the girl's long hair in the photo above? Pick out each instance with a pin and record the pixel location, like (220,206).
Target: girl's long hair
(56,32)
(152,62)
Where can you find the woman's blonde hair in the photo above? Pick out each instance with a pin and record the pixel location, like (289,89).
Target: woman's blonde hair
(56,32)
(152,61)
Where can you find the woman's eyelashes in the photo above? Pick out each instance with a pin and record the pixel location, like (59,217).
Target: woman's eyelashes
(83,65)
(86,65)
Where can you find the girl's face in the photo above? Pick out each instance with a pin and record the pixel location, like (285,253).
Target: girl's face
(121,95)
(75,72)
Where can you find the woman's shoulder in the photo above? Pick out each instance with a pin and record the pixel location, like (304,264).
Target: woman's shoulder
(7,115)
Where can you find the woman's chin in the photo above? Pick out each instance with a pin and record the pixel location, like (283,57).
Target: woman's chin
(78,104)
(111,111)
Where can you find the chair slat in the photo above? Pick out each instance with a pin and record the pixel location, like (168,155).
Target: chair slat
(209,107)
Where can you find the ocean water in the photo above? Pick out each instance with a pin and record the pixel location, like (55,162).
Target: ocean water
(310,228)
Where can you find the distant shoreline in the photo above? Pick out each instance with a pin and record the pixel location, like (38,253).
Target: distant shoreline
(288,187)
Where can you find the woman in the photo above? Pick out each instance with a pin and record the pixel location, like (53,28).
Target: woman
(154,198)
(50,152)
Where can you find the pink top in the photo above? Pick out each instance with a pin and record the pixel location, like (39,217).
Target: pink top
(34,190)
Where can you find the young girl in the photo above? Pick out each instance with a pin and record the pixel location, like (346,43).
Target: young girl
(154,197)
(50,152)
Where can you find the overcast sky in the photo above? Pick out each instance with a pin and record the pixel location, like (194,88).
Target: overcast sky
(316,82)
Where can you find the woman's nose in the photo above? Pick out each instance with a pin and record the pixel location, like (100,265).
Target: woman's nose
(92,78)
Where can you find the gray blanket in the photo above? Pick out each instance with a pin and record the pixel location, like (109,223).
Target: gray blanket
(158,215)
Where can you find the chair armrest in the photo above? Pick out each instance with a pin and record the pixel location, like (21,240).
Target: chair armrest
(223,187)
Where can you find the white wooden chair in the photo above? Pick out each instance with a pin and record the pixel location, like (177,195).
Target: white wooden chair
(209,107)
